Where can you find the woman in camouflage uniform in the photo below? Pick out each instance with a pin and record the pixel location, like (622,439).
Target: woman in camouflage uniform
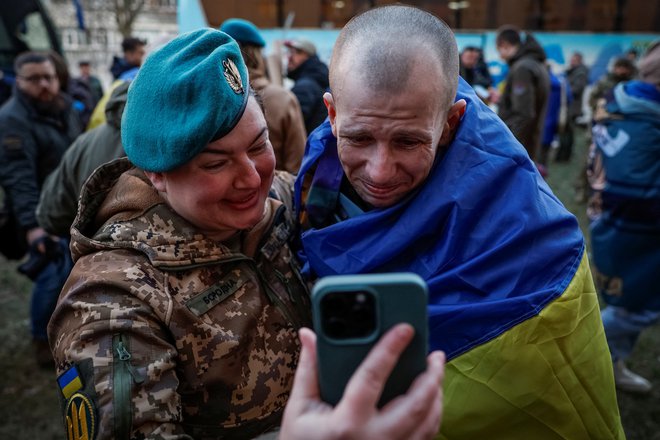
(180,317)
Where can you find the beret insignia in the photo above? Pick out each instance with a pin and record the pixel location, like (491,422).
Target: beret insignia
(233,76)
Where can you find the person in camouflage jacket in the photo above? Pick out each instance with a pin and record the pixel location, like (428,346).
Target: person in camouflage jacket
(179,319)
(175,331)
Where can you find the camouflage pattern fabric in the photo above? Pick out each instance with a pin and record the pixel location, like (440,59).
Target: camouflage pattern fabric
(176,336)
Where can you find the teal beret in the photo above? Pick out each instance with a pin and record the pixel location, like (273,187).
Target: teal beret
(187,94)
(243,31)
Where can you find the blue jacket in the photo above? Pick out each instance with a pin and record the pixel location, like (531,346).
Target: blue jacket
(553,113)
(626,238)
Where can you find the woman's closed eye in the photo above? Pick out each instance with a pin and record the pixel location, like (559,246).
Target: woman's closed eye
(214,165)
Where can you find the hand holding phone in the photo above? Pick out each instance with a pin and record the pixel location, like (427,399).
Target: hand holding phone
(351,312)
(414,415)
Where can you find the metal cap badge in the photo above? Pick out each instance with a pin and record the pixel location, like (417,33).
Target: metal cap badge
(233,76)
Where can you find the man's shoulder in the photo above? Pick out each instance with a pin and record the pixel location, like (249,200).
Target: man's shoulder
(13,110)
(530,68)
(527,62)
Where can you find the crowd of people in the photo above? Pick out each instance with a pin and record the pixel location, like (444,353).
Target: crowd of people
(174,224)
(544,110)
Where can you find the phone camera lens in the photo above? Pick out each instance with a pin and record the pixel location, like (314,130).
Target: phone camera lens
(347,315)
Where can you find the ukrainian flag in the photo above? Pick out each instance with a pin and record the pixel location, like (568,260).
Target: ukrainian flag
(69,382)
(511,299)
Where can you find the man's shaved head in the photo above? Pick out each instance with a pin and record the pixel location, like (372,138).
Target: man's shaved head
(382,45)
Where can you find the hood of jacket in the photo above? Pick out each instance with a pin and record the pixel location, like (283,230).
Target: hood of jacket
(637,97)
(313,68)
(529,48)
(116,103)
(120,209)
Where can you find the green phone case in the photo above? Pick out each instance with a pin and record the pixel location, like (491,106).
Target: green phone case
(400,297)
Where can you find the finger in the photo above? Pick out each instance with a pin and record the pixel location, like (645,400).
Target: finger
(305,382)
(416,411)
(366,384)
(431,426)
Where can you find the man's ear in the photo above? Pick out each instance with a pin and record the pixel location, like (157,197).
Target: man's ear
(454,116)
(329,102)
(157,180)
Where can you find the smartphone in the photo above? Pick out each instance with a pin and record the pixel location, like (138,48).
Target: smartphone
(352,312)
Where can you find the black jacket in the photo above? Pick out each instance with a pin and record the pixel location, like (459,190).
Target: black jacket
(311,81)
(119,66)
(524,100)
(578,78)
(31,146)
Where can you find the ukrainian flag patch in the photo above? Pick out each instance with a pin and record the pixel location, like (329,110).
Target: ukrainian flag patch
(69,382)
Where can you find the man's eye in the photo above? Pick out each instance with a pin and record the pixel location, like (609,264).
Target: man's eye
(357,140)
(408,143)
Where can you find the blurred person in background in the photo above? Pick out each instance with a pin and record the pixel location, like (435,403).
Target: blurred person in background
(286,129)
(625,235)
(523,103)
(79,91)
(622,70)
(58,203)
(631,54)
(577,76)
(474,70)
(94,84)
(310,76)
(555,117)
(590,180)
(127,66)
(37,125)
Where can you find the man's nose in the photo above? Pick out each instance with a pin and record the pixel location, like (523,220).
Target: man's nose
(381,166)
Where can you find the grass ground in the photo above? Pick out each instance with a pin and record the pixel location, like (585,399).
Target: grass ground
(28,395)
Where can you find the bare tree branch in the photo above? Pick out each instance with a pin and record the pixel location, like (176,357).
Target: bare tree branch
(126,11)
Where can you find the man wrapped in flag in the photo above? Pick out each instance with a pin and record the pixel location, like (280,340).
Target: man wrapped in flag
(413,173)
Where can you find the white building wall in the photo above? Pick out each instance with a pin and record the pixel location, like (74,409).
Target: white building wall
(101,40)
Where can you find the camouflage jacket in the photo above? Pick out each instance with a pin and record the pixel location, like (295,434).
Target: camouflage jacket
(161,333)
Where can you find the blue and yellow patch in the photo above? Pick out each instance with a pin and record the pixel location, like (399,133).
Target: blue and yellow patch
(69,382)
(80,418)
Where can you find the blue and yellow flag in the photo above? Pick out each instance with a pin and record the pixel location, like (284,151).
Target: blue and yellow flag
(69,382)
(511,300)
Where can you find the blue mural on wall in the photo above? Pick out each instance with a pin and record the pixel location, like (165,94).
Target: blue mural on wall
(598,49)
